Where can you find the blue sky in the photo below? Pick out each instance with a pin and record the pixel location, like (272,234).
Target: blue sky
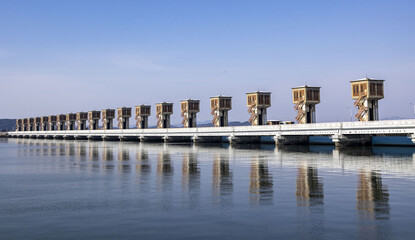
(69,56)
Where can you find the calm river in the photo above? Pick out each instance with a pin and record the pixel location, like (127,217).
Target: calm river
(57,189)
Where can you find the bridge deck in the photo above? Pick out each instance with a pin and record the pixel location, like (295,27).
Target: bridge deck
(390,127)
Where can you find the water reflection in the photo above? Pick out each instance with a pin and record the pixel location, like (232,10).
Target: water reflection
(107,152)
(70,148)
(309,188)
(372,206)
(107,156)
(123,156)
(93,152)
(310,202)
(164,170)
(372,196)
(81,150)
(143,164)
(190,179)
(260,182)
(222,177)
(358,183)
(143,167)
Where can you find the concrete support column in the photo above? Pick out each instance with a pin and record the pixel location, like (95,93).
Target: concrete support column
(232,139)
(412,137)
(195,139)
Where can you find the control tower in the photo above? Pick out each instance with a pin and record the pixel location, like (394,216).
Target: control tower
(19,125)
(220,107)
(70,121)
(81,118)
(61,120)
(44,123)
(189,110)
(37,124)
(367,92)
(257,103)
(305,99)
(108,116)
(124,115)
(31,124)
(25,124)
(52,122)
(93,119)
(141,115)
(163,112)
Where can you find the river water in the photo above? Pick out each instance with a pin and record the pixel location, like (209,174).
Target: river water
(57,189)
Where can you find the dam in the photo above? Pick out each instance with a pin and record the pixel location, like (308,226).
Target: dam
(366,92)
(340,133)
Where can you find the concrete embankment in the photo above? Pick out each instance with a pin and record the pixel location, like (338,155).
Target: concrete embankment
(3,135)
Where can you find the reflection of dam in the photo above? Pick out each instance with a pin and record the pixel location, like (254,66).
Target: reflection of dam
(190,178)
(372,196)
(260,182)
(143,164)
(190,172)
(310,202)
(372,204)
(309,189)
(164,169)
(222,185)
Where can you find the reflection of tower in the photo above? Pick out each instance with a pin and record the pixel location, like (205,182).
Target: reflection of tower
(309,189)
(143,168)
(305,99)
(70,148)
(257,103)
(81,150)
(141,115)
(123,155)
(143,162)
(220,106)
(260,182)
(93,119)
(222,184)
(189,110)
(107,153)
(372,196)
(310,202)
(164,169)
(367,92)
(93,152)
(61,148)
(163,112)
(372,205)
(190,178)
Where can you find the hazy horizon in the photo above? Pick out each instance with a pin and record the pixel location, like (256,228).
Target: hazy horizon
(62,57)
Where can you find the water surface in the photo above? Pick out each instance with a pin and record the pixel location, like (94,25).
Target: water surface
(57,189)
